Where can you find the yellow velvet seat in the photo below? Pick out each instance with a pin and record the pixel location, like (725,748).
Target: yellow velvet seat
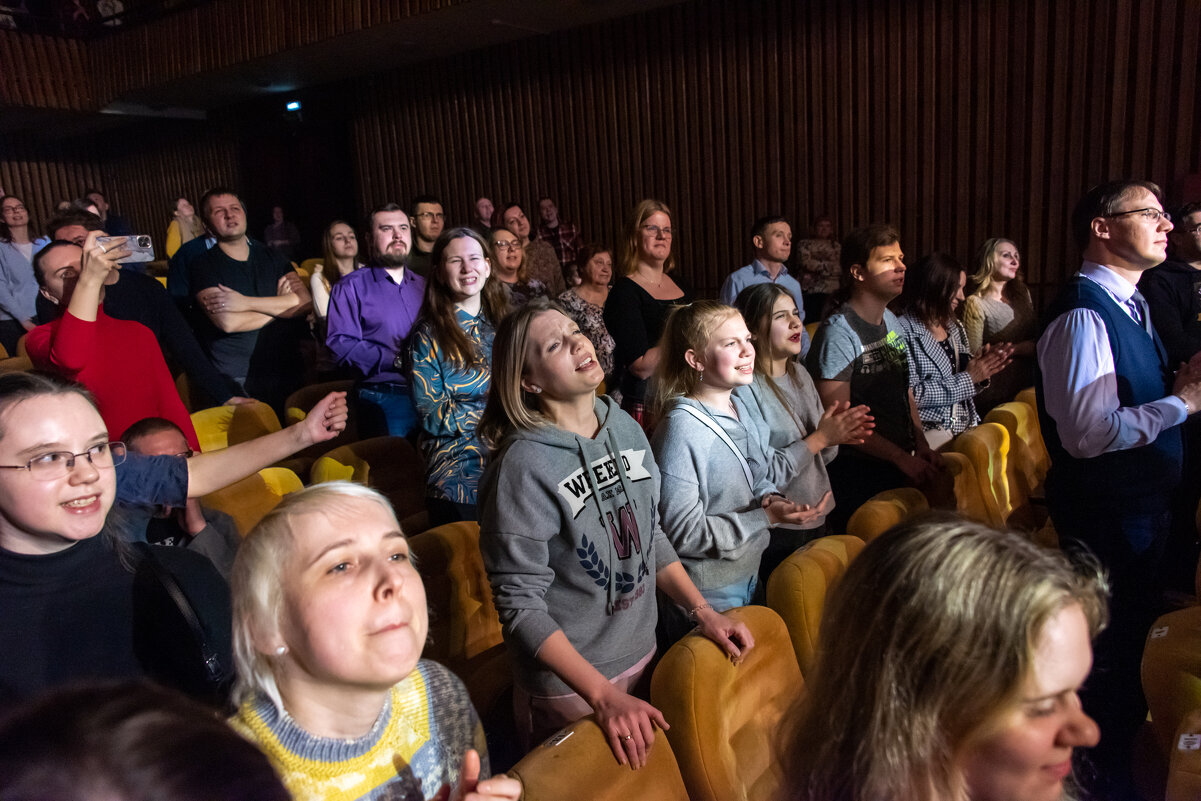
(1171,672)
(248,501)
(798,588)
(464,629)
(577,764)
(987,448)
(1184,766)
(884,510)
(388,464)
(1027,452)
(969,501)
(221,426)
(728,722)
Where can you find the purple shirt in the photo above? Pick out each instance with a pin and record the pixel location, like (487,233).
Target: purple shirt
(370,317)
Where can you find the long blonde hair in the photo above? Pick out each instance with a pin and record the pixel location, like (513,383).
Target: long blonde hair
(687,328)
(629,248)
(509,406)
(986,264)
(925,642)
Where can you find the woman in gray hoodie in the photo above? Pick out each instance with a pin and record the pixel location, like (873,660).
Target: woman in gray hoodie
(570,535)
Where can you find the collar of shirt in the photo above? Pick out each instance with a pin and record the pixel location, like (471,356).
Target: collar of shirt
(1114,285)
(759,268)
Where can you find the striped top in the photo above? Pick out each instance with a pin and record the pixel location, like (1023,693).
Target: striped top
(415,747)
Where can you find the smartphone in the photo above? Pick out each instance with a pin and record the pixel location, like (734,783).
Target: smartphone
(140,247)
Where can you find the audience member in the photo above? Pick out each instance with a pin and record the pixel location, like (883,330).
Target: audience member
(428,220)
(640,301)
(1110,412)
(1173,289)
(1000,310)
(282,235)
(944,376)
(340,251)
(84,606)
(562,235)
(571,540)
(544,264)
(114,223)
(128,742)
(119,361)
(717,524)
(510,268)
(17,286)
(451,358)
(371,313)
(948,666)
(329,622)
(137,297)
(185,226)
(254,306)
(585,303)
(771,238)
(818,264)
(206,531)
(784,408)
(179,266)
(859,357)
(484,212)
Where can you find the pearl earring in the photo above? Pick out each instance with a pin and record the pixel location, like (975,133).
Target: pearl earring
(536,390)
(281,650)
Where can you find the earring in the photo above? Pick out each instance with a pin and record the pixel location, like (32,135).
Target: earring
(536,390)
(281,650)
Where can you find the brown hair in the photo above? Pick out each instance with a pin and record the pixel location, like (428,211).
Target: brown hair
(857,249)
(438,308)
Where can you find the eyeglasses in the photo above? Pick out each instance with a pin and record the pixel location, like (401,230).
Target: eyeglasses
(500,244)
(431,215)
(50,466)
(1192,230)
(1150,215)
(15,207)
(655,231)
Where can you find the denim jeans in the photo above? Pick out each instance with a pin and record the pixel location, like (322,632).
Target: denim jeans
(385,410)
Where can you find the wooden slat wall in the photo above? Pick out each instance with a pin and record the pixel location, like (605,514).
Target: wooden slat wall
(957,121)
(44,72)
(226,32)
(141,169)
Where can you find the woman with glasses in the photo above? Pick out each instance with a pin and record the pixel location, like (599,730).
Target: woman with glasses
(79,601)
(1000,310)
(511,268)
(585,304)
(18,291)
(638,304)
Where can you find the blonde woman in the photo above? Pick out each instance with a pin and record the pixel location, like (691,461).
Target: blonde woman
(960,680)
(1000,310)
(329,622)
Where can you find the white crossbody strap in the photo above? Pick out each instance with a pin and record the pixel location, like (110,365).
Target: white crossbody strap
(719,431)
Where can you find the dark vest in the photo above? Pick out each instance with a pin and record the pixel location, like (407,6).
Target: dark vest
(1137,479)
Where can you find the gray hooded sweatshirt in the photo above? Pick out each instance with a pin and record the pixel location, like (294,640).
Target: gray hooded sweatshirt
(711,513)
(571,541)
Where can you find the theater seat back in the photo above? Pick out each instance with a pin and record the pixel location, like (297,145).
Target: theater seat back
(577,765)
(728,721)
(798,588)
(884,510)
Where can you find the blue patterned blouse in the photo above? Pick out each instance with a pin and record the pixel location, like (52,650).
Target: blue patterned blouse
(450,400)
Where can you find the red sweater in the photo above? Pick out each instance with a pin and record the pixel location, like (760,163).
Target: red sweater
(120,363)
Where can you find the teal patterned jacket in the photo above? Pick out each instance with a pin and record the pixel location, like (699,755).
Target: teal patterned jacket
(450,400)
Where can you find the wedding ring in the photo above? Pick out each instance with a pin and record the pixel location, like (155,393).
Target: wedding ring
(627,737)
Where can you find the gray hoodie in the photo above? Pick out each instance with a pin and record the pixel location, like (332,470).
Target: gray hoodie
(712,516)
(571,541)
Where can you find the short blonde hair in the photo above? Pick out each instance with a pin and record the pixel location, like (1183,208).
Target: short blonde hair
(687,328)
(925,641)
(256,584)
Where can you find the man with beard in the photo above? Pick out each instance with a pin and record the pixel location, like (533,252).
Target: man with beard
(254,306)
(371,312)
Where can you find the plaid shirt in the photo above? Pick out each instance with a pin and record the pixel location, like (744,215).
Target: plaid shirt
(943,391)
(565,240)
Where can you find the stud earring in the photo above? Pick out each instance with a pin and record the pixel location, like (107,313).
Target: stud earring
(281,650)
(536,390)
